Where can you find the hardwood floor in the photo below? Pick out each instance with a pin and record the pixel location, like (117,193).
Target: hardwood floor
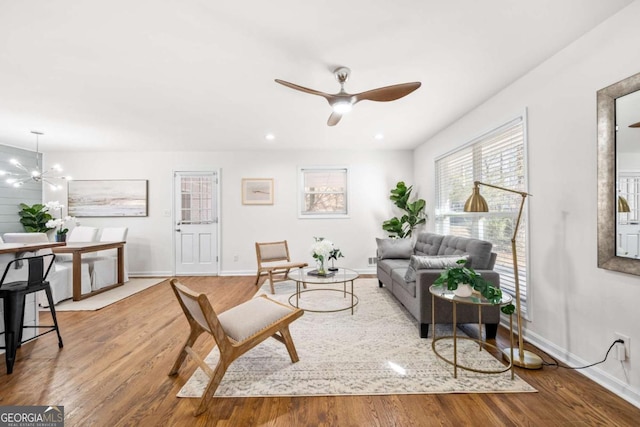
(113,372)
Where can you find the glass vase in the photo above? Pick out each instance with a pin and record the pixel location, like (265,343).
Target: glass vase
(320,267)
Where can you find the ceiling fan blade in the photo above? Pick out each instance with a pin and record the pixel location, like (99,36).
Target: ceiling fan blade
(304,89)
(334,118)
(635,125)
(387,93)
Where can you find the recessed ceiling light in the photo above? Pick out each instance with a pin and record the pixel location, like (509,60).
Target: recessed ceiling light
(269,137)
(379,136)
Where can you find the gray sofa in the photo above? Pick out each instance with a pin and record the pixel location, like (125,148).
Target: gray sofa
(435,250)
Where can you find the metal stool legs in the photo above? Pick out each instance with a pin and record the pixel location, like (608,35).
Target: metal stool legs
(14,294)
(13,320)
(14,304)
(52,309)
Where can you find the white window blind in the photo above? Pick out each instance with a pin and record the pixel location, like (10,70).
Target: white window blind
(497,158)
(323,192)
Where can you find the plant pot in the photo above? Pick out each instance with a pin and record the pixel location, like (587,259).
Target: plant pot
(61,237)
(463,290)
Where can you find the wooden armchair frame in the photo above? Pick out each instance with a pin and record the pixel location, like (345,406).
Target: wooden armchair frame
(202,318)
(270,256)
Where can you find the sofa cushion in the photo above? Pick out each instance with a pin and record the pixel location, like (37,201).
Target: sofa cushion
(428,243)
(479,251)
(431,262)
(397,276)
(388,265)
(394,248)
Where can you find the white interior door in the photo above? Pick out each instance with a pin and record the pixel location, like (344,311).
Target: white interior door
(196,223)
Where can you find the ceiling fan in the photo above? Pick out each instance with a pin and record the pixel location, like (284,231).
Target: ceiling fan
(342,102)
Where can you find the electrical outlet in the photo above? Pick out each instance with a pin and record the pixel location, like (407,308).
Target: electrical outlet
(627,343)
(618,351)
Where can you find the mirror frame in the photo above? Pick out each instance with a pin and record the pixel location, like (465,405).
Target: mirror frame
(607,202)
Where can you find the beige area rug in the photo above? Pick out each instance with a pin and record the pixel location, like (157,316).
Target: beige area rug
(96,302)
(376,351)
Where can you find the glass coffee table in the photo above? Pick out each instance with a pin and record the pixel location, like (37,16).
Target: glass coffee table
(342,276)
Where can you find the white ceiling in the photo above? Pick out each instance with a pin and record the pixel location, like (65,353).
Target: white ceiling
(118,75)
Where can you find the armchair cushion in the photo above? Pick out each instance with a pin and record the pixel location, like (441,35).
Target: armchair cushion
(246,319)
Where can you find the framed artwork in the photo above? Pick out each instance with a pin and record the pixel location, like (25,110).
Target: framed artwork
(108,198)
(257,191)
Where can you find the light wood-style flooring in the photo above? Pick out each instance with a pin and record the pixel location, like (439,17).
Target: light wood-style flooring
(113,372)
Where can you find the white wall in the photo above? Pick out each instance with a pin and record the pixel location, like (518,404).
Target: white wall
(576,307)
(149,243)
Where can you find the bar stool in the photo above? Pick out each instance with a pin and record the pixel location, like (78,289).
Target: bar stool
(14,293)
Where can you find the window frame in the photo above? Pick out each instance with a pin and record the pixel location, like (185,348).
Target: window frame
(301,193)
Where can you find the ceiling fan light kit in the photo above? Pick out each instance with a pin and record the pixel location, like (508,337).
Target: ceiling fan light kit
(342,102)
(342,107)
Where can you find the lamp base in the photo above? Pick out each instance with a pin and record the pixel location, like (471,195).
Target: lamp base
(529,360)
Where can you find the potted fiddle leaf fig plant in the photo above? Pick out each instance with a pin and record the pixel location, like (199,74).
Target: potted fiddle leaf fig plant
(455,277)
(414,212)
(34,218)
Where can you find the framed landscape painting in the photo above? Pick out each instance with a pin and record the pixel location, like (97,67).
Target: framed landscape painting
(108,198)
(257,191)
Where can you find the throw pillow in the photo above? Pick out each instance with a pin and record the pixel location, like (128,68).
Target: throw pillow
(394,248)
(431,262)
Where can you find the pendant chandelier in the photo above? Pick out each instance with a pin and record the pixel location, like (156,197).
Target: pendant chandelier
(24,175)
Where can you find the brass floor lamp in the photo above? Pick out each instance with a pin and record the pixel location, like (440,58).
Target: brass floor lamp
(623,205)
(477,203)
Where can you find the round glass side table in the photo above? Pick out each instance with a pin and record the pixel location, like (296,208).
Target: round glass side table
(477,300)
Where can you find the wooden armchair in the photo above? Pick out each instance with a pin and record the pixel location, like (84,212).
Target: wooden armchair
(235,331)
(274,261)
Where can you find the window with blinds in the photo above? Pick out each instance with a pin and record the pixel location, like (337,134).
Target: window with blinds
(323,192)
(497,158)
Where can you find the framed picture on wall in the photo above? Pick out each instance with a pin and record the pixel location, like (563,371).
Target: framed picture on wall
(108,198)
(257,191)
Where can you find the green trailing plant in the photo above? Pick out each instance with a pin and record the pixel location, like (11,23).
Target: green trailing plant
(34,218)
(414,212)
(454,276)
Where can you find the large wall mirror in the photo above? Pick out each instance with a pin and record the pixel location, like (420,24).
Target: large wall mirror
(619,176)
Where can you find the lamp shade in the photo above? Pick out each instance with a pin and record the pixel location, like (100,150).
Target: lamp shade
(623,205)
(476,203)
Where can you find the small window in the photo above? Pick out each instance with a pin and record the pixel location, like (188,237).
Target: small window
(323,192)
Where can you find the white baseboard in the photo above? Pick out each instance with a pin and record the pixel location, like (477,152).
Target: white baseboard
(371,270)
(253,272)
(150,273)
(603,378)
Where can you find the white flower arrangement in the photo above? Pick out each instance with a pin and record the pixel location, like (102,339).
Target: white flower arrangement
(321,249)
(59,223)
